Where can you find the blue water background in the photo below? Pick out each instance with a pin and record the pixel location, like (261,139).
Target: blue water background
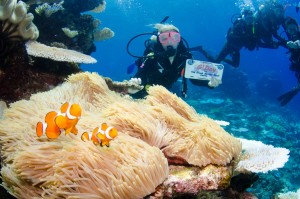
(204,23)
(200,22)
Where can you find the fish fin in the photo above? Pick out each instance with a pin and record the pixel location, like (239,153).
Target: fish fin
(64,107)
(287,97)
(67,131)
(104,126)
(113,132)
(61,121)
(75,110)
(49,118)
(52,131)
(74,130)
(40,129)
(105,143)
(85,136)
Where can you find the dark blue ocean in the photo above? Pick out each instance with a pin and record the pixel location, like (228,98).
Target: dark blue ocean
(247,97)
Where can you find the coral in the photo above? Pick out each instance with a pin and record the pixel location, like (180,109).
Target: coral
(105,33)
(37,49)
(14,14)
(48,10)
(15,27)
(260,158)
(79,6)
(289,195)
(278,123)
(100,8)
(51,30)
(122,87)
(189,180)
(70,33)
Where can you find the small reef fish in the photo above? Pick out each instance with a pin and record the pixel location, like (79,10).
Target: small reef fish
(65,120)
(48,127)
(101,136)
(68,117)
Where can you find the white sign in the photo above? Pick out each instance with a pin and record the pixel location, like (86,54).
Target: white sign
(201,70)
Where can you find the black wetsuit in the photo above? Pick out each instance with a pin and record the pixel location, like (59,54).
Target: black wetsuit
(266,31)
(158,70)
(294,53)
(239,35)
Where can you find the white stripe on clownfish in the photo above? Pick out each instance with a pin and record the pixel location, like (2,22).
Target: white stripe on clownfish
(45,125)
(69,115)
(106,132)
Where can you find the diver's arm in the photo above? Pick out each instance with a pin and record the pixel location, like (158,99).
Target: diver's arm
(270,44)
(281,41)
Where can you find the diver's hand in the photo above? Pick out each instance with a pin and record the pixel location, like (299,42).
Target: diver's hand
(293,44)
(214,82)
(135,81)
(134,89)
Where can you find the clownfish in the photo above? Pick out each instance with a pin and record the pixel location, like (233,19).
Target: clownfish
(48,127)
(68,117)
(66,120)
(101,136)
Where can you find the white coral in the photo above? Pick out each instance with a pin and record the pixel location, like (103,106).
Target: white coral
(290,195)
(37,49)
(258,157)
(13,12)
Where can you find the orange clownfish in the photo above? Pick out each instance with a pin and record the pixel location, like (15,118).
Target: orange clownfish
(101,136)
(66,119)
(48,127)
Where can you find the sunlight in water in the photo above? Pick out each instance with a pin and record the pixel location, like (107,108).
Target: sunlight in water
(126,4)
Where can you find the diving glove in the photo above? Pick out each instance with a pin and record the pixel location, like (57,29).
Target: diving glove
(293,44)
(214,82)
(134,85)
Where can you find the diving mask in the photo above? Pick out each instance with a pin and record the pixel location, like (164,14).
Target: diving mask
(169,38)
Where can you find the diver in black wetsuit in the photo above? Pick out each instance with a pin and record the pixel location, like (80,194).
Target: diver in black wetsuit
(241,34)
(293,34)
(164,61)
(250,31)
(268,20)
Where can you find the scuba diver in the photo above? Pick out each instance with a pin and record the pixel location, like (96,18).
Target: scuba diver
(291,29)
(268,19)
(251,31)
(240,35)
(164,61)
